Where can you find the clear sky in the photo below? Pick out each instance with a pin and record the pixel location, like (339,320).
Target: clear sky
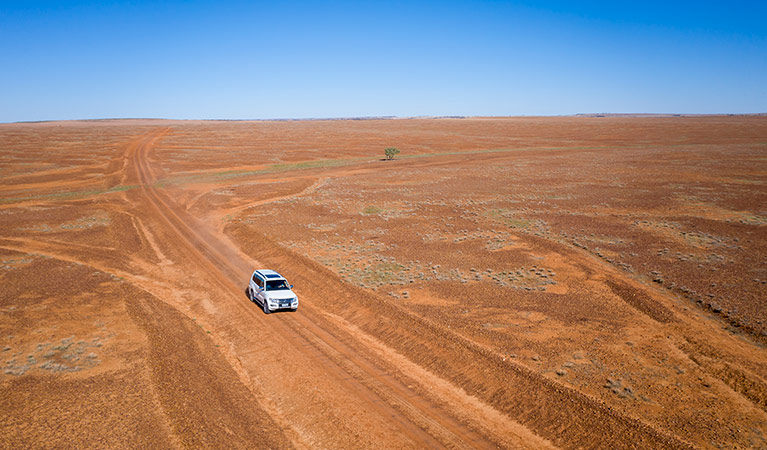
(240,60)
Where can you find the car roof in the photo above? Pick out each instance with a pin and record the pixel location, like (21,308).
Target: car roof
(269,274)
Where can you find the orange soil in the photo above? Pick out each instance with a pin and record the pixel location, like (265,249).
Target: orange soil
(505,282)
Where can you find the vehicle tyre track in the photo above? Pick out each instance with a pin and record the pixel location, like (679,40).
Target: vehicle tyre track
(423,424)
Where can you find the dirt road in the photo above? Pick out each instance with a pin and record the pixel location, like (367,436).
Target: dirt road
(323,383)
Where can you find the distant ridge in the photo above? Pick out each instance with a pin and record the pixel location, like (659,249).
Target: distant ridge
(664,114)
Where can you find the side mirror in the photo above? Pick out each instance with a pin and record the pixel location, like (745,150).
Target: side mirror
(291,286)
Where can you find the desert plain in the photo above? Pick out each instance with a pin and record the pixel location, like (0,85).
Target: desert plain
(556,282)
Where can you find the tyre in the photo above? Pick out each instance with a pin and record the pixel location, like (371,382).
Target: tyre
(266,307)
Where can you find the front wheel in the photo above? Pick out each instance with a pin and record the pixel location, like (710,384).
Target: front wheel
(266,307)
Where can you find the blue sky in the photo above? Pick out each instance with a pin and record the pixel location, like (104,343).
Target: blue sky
(239,60)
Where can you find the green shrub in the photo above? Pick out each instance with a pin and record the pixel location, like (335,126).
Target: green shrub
(390,152)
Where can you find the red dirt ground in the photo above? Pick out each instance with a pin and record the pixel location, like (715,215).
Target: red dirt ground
(576,282)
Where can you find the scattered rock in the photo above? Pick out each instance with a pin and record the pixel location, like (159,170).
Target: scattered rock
(617,388)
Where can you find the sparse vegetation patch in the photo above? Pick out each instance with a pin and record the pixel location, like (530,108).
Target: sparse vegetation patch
(372,210)
(67,355)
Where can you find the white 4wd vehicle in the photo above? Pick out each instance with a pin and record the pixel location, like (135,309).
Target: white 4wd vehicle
(272,291)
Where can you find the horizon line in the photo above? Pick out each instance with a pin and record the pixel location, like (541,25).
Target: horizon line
(386,117)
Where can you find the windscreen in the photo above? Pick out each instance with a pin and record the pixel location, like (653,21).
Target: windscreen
(276,285)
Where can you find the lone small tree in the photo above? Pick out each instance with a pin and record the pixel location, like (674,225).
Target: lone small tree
(390,152)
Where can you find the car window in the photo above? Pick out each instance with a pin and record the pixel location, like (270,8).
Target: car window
(258,281)
(276,285)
